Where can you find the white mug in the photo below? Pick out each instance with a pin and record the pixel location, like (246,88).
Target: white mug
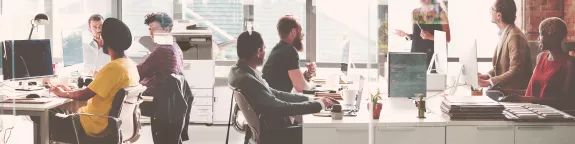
(349,96)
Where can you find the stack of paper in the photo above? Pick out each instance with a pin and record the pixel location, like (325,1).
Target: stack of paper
(472,108)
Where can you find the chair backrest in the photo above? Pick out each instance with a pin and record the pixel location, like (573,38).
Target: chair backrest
(125,108)
(251,115)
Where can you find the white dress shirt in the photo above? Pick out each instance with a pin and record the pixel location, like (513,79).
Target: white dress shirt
(94,57)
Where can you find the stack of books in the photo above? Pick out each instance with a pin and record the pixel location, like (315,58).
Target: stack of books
(535,113)
(472,108)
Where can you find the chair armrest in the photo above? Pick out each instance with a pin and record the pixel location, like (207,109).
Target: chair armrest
(108,117)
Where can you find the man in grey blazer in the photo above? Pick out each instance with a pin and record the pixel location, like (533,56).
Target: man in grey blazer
(275,106)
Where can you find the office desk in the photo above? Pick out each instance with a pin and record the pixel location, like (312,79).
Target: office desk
(42,130)
(398,124)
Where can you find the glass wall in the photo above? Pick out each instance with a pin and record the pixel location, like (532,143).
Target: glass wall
(71,28)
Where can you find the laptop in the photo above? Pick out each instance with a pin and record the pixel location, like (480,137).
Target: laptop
(348,110)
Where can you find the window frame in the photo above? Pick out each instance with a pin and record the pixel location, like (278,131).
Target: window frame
(311,50)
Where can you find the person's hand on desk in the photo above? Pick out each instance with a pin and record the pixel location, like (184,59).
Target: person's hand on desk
(327,102)
(483,83)
(60,90)
(483,76)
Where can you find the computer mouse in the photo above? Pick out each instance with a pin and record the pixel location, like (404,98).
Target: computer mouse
(33,96)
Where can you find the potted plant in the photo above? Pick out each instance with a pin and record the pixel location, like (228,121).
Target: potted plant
(376,105)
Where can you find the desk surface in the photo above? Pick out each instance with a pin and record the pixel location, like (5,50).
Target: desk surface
(55,101)
(403,112)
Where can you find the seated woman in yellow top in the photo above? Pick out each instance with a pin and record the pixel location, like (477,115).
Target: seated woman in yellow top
(120,73)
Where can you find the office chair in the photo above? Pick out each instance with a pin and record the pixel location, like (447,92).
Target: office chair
(251,115)
(123,119)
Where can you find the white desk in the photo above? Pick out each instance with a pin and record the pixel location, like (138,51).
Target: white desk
(398,125)
(42,130)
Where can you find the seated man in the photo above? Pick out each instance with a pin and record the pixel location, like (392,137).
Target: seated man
(164,60)
(120,73)
(282,67)
(275,106)
(553,80)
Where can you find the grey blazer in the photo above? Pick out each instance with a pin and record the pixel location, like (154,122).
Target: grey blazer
(274,106)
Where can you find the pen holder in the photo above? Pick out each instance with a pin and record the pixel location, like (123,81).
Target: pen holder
(476,93)
(336,113)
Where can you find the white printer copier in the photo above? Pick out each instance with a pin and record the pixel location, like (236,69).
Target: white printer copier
(199,67)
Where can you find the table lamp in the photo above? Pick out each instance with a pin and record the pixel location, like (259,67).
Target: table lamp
(39,19)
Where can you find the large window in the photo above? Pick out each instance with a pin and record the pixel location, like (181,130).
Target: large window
(226,20)
(338,19)
(133,14)
(16,18)
(268,12)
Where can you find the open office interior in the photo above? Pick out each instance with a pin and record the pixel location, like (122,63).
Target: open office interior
(287,71)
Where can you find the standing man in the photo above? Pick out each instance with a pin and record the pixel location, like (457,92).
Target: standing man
(94,58)
(282,68)
(512,67)
(164,60)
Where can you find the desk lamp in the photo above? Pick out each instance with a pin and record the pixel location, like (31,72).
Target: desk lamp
(39,19)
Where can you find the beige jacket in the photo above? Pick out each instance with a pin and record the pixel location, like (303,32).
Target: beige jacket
(513,67)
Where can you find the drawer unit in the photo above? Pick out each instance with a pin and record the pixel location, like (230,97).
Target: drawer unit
(410,135)
(202,92)
(202,101)
(358,135)
(480,135)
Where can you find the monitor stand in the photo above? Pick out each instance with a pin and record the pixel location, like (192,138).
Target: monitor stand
(26,87)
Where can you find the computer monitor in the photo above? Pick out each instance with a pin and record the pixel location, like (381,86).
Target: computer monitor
(26,59)
(345,58)
(440,49)
(468,61)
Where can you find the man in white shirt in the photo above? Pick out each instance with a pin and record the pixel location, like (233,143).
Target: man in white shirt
(94,57)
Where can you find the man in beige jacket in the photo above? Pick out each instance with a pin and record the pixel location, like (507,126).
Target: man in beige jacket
(512,65)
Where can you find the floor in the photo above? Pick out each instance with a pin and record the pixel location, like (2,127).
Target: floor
(199,134)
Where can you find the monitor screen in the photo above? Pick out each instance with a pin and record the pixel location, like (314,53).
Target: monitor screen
(345,58)
(25,59)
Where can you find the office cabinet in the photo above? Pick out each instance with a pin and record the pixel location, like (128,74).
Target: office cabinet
(480,135)
(410,135)
(358,135)
(544,134)
(222,100)
(200,77)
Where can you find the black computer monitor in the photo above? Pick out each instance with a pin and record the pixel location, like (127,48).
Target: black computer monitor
(26,59)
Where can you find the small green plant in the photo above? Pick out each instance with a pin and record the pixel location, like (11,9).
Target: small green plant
(376,97)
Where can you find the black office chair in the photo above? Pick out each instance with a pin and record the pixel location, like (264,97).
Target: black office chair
(257,129)
(123,119)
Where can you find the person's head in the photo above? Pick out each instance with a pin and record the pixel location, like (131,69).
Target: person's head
(427,2)
(117,38)
(159,22)
(251,48)
(291,32)
(95,25)
(503,12)
(552,32)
